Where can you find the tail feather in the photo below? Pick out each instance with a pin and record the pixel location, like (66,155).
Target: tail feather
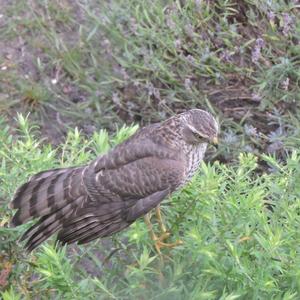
(76,228)
(46,195)
(46,174)
(93,220)
(46,221)
(33,229)
(103,231)
(61,202)
(35,183)
(48,226)
(92,231)
(75,233)
(52,196)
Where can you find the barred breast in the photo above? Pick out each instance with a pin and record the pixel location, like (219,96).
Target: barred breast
(194,156)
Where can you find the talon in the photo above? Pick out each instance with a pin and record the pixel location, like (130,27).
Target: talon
(159,244)
(164,236)
(159,241)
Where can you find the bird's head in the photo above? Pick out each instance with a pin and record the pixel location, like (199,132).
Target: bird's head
(199,127)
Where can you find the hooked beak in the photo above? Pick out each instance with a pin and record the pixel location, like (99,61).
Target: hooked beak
(215,140)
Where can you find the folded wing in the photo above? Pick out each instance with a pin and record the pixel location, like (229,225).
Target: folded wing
(97,200)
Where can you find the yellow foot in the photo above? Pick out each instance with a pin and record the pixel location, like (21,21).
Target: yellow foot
(159,242)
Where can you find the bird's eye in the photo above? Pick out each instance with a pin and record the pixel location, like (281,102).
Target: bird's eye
(198,136)
(201,138)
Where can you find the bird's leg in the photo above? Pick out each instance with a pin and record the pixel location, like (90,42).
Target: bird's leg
(150,227)
(160,220)
(151,232)
(159,243)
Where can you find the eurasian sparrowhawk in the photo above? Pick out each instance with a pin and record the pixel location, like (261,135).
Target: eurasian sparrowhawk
(110,193)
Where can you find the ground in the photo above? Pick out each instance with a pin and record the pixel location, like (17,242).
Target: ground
(70,63)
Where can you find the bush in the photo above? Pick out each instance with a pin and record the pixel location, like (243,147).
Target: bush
(240,232)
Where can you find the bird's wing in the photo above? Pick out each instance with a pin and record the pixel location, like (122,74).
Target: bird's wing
(126,164)
(142,144)
(135,189)
(132,179)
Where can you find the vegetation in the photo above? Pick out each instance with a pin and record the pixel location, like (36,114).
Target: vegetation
(240,232)
(99,64)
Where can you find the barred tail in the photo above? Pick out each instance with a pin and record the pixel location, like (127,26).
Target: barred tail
(51,196)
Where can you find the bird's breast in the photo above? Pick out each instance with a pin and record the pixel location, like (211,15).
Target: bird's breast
(194,156)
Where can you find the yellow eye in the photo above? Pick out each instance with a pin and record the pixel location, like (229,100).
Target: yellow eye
(198,136)
(201,138)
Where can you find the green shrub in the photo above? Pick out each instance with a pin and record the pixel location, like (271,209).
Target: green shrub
(239,227)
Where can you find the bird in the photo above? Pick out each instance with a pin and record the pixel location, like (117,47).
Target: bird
(83,203)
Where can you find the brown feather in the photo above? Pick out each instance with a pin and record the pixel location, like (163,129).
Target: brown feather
(107,195)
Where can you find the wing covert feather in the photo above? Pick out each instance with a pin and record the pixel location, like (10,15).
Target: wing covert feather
(135,180)
(135,188)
